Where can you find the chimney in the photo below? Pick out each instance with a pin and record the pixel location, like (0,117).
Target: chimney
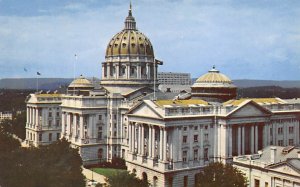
(273,154)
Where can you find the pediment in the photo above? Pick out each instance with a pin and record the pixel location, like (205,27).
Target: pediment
(249,109)
(284,168)
(144,110)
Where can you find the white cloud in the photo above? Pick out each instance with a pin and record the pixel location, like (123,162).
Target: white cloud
(187,35)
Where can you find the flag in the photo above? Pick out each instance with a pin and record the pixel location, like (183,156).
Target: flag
(38,73)
(25,69)
(159,62)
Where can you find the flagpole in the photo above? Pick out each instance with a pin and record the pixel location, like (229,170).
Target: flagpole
(74,72)
(37,82)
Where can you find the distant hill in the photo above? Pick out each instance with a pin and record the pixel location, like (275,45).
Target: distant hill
(54,83)
(245,83)
(31,83)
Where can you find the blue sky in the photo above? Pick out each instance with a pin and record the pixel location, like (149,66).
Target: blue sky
(257,39)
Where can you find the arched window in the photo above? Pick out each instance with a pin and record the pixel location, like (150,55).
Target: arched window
(155,179)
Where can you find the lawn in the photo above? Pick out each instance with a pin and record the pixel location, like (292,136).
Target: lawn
(107,171)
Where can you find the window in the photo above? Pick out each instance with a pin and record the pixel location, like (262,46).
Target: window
(49,123)
(115,116)
(195,138)
(40,137)
(206,127)
(57,123)
(184,155)
(271,132)
(57,114)
(184,139)
(57,136)
(280,142)
(206,137)
(100,128)
(115,125)
(184,128)
(206,154)
(291,130)
(115,133)
(100,117)
(50,137)
(195,154)
(195,128)
(185,181)
(291,141)
(256,183)
(280,130)
(266,184)
(50,115)
(99,135)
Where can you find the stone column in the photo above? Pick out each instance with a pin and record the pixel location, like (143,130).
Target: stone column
(117,70)
(81,126)
(138,139)
(139,71)
(62,124)
(201,145)
(180,144)
(103,71)
(150,141)
(108,70)
(160,143)
(27,116)
(127,71)
(243,140)
(239,140)
(153,142)
(230,141)
(148,71)
(134,137)
(142,140)
(129,136)
(256,138)
(252,139)
(165,144)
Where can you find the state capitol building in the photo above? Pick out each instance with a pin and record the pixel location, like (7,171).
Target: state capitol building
(165,138)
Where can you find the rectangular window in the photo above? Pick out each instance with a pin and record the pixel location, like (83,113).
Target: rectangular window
(195,128)
(184,139)
(57,136)
(291,141)
(185,181)
(195,154)
(256,183)
(184,128)
(280,142)
(195,138)
(100,135)
(280,130)
(49,123)
(50,137)
(57,123)
(57,114)
(50,115)
(291,130)
(100,117)
(206,154)
(271,132)
(115,133)
(184,155)
(206,137)
(40,137)
(115,125)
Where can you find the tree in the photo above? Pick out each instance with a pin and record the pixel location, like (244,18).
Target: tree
(125,179)
(218,174)
(55,165)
